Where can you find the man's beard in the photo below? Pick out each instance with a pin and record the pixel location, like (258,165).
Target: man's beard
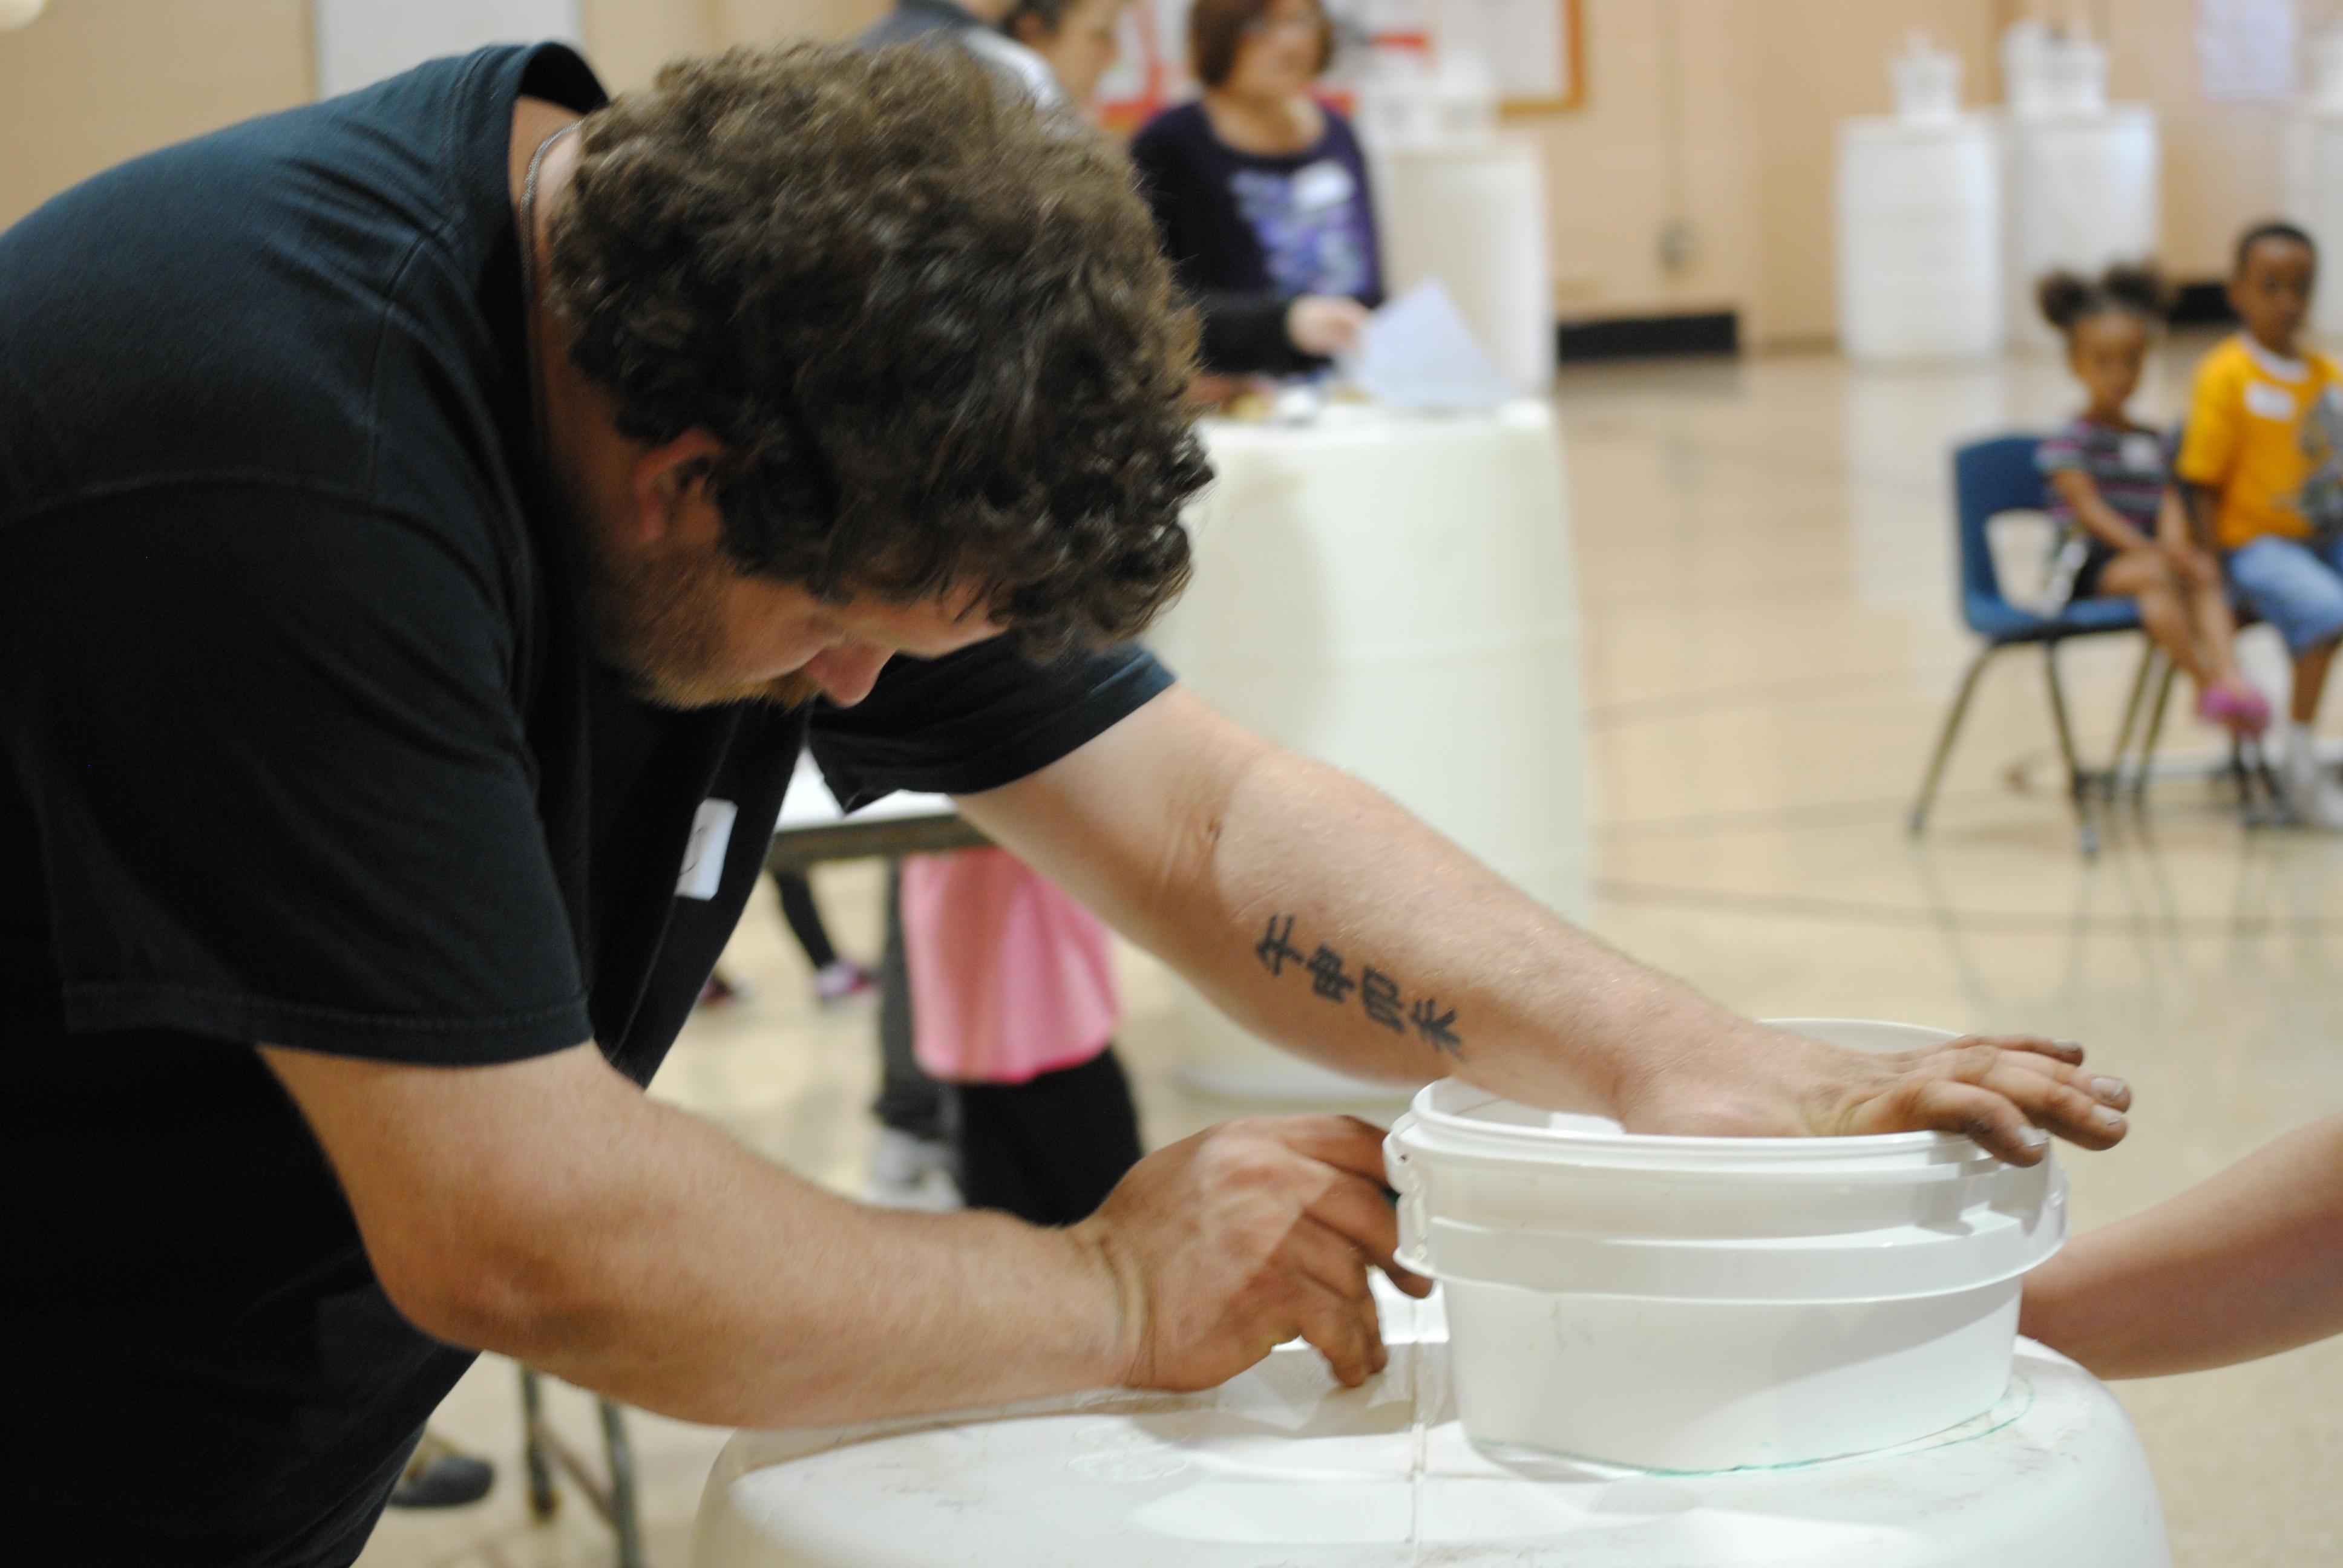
(659,621)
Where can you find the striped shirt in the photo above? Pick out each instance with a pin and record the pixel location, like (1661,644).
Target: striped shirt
(2128,464)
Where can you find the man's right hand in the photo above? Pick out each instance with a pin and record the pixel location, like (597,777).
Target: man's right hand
(1227,1244)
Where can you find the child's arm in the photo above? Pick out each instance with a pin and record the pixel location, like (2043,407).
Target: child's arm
(2177,534)
(2102,521)
(2246,1264)
(2196,515)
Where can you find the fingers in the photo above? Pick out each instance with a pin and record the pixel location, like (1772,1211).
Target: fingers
(1331,1264)
(2007,1101)
(1361,1212)
(1343,1328)
(2029,1045)
(1344,1142)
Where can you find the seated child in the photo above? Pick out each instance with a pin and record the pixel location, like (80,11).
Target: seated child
(2261,466)
(2246,1264)
(2123,532)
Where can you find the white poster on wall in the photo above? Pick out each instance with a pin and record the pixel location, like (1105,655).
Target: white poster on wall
(2245,50)
(363,41)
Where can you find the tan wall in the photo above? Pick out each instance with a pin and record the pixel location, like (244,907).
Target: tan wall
(1722,115)
(1715,115)
(94,82)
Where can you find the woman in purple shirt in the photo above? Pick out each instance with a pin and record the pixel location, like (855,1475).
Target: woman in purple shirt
(1261,192)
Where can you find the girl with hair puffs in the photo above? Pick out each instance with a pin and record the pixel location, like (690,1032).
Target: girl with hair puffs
(2124,532)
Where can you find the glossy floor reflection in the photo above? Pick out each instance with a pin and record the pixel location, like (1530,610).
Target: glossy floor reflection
(1766,553)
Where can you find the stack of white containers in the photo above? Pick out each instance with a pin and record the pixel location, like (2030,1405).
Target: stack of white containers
(2082,177)
(1919,223)
(1712,1303)
(1462,201)
(1945,220)
(2314,169)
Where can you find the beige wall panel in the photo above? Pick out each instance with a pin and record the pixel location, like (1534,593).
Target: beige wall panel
(767,20)
(1660,137)
(2221,161)
(629,40)
(94,82)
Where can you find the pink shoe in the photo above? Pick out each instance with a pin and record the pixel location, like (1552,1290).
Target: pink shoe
(2238,709)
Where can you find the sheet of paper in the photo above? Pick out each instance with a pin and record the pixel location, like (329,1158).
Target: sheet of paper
(1418,352)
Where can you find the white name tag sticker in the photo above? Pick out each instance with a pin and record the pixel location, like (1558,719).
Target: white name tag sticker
(1323,185)
(2142,453)
(2265,401)
(703,857)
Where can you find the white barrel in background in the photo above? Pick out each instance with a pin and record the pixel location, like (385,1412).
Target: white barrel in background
(1284,1466)
(1919,240)
(1715,1304)
(2082,191)
(1471,211)
(2313,195)
(1396,595)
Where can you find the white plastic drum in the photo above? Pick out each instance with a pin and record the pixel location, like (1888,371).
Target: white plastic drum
(2082,192)
(2314,197)
(1471,213)
(1395,595)
(1283,1468)
(1709,1303)
(1919,240)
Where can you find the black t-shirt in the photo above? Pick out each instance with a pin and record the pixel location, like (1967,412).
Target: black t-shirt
(299,743)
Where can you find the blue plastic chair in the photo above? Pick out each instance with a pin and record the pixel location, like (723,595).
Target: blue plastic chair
(1991,477)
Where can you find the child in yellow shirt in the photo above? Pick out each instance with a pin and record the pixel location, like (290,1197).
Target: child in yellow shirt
(2262,463)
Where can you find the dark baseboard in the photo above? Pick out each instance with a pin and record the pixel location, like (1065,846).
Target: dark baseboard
(1641,336)
(2202,305)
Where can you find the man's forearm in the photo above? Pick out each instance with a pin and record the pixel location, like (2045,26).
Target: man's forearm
(1319,914)
(655,1261)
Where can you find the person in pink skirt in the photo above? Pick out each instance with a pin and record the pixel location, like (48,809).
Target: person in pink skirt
(1014,1009)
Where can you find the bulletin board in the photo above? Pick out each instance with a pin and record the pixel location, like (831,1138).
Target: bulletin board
(1536,48)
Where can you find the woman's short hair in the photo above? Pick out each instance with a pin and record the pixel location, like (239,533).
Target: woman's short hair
(931,324)
(1217,29)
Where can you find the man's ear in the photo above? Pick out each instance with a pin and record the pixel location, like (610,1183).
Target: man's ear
(667,479)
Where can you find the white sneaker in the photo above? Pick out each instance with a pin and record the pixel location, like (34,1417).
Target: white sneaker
(908,1172)
(2311,796)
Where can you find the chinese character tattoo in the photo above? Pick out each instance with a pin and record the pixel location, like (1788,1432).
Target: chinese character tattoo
(1379,993)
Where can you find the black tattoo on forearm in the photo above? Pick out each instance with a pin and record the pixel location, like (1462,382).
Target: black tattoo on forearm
(1379,993)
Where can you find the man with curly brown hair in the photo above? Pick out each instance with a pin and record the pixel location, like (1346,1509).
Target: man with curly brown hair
(431,523)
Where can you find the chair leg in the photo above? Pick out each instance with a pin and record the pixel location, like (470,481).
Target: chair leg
(626,1520)
(2078,788)
(1919,821)
(542,1498)
(2155,731)
(2131,715)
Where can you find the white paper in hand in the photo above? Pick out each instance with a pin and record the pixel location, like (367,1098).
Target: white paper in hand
(1418,352)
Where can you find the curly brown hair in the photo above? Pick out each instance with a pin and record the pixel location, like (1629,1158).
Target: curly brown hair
(931,324)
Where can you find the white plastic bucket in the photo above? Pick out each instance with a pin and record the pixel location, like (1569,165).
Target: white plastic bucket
(1715,1303)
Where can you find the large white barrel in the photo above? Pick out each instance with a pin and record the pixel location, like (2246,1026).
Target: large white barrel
(1471,213)
(1280,1466)
(1919,240)
(2082,193)
(1394,595)
(2314,199)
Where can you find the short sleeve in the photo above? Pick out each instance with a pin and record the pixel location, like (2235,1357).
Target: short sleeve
(976,719)
(2060,454)
(278,781)
(2209,440)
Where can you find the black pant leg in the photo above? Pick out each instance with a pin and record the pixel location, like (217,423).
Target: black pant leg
(804,916)
(1048,1150)
(909,1100)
